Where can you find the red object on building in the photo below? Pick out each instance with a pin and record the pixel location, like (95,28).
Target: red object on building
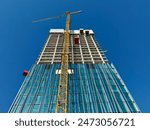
(25,72)
(76,40)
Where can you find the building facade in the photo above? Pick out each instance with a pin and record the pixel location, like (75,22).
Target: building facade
(94,85)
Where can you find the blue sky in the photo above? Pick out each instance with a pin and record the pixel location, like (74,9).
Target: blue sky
(121,26)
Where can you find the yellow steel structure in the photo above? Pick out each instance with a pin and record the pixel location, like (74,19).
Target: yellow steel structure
(61,105)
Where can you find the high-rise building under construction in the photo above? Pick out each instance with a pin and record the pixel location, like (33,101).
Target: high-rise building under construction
(94,84)
(72,75)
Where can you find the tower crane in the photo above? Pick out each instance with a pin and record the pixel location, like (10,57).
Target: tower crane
(61,104)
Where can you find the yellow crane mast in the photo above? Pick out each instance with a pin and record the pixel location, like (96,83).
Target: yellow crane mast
(61,105)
